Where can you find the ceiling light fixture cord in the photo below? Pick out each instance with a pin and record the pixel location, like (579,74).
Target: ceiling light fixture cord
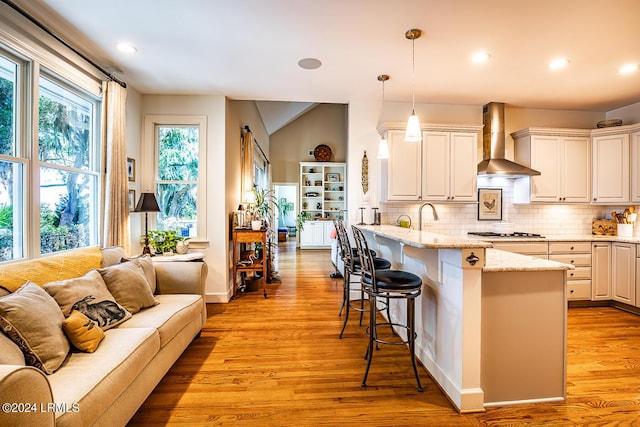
(413,132)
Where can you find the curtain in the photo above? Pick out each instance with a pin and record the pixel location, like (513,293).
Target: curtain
(116,183)
(247,164)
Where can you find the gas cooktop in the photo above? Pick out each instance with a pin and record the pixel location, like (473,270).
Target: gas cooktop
(494,234)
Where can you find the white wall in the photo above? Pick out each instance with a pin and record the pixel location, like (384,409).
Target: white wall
(629,114)
(215,247)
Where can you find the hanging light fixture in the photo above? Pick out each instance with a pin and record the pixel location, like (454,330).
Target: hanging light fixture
(413,133)
(383,146)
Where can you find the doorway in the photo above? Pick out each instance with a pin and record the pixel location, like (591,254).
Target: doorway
(286,193)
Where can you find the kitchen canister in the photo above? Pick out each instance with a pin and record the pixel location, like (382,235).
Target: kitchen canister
(625,230)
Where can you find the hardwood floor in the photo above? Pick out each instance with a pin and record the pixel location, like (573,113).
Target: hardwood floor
(279,362)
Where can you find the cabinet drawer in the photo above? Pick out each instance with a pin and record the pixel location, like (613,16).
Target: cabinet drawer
(569,248)
(580,273)
(579,290)
(525,248)
(579,260)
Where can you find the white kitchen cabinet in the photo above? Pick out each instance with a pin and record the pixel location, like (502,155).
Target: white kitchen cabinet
(635,167)
(610,168)
(637,304)
(577,254)
(623,272)
(316,235)
(404,168)
(563,158)
(600,271)
(443,167)
(450,166)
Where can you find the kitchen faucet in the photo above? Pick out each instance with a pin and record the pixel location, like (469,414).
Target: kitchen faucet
(435,214)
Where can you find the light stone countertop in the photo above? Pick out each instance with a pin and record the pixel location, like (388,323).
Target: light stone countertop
(424,239)
(561,238)
(497,260)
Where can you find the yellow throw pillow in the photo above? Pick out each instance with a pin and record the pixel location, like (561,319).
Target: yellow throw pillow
(84,333)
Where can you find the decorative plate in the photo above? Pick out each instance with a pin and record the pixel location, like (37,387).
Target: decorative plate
(322,153)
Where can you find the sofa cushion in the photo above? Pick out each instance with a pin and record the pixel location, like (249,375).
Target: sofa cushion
(169,317)
(10,353)
(59,266)
(89,295)
(128,285)
(32,319)
(95,380)
(148,268)
(84,333)
(112,255)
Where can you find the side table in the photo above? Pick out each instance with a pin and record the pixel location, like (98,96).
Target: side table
(241,263)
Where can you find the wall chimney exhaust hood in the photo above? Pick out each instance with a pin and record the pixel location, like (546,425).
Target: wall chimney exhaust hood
(493,146)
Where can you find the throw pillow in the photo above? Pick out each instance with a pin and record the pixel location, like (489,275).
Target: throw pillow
(84,333)
(89,295)
(128,284)
(148,268)
(32,319)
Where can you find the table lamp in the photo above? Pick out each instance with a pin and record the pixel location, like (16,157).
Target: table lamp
(147,203)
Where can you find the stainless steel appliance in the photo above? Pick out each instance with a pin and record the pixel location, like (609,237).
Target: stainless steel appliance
(493,145)
(494,234)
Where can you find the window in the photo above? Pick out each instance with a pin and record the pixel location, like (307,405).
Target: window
(11,166)
(179,179)
(68,168)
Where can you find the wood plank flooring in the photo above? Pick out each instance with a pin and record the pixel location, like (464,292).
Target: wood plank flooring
(279,362)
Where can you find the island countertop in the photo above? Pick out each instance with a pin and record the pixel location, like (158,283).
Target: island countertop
(497,260)
(424,239)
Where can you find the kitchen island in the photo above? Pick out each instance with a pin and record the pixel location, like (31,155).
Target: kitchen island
(490,324)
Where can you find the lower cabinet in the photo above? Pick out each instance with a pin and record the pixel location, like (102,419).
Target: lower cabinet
(316,235)
(577,254)
(623,272)
(600,271)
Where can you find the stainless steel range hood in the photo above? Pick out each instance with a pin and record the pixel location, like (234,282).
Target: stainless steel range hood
(493,146)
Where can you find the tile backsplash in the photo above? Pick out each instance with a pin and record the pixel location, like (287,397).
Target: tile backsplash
(460,218)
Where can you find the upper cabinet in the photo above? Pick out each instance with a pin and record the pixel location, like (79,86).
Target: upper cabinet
(443,167)
(635,166)
(563,158)
(610,166)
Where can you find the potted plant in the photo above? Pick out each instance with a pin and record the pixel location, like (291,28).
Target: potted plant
(263,208)
(164,241)
(301,218)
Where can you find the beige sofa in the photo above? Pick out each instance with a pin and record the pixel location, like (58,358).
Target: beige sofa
(108,386)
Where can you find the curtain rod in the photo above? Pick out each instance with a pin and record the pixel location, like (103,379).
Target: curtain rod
(246,127)
(58,38)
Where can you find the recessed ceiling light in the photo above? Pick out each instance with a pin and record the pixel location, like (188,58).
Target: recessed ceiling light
(558,63)
(628,69)
(480,57)
(126,47)
(309,63)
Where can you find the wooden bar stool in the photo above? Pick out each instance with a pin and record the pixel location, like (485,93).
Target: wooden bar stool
(388,284)
(351,261)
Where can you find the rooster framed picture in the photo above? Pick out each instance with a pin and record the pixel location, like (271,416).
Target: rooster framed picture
(489,204)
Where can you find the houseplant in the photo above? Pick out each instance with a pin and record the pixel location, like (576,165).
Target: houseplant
(263,207)
(164,241)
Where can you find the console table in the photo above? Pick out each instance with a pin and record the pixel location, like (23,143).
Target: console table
(241,255)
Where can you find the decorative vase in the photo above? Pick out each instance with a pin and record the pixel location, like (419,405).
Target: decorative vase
(182,247)
(256,225)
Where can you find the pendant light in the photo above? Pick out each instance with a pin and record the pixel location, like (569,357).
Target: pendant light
(383,146)
(413,132)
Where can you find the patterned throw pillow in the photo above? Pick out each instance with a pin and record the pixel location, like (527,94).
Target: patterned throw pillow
(84,333)
(89,295)
(32,320)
